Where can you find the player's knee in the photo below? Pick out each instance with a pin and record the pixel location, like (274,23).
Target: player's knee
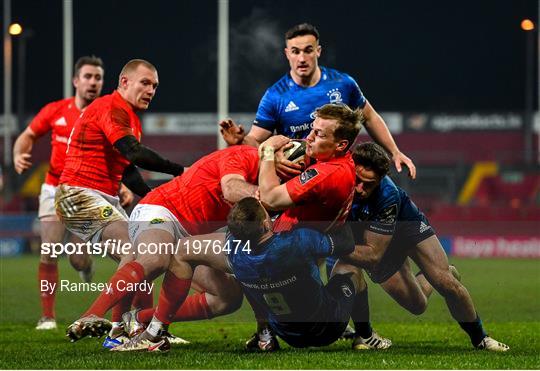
(447,285)
(79,262)
(228,301)
(419,306)
(154,265)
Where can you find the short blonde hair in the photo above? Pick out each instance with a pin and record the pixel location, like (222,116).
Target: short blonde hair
(132,66)
(348,120)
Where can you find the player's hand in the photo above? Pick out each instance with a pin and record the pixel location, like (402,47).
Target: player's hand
(276,142)
(285,169)
(125,195)
(231,132)
(22,162)
(400,159)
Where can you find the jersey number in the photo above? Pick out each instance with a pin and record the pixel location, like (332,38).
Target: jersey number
(276,303)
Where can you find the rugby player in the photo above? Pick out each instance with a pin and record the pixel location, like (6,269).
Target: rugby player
(281,274)
(58,118)
(103,149)
(197,202)
(392,229)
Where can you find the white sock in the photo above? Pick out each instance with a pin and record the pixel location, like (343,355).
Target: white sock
(154,327)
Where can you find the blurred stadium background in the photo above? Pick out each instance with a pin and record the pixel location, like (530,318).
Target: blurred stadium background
(456,82)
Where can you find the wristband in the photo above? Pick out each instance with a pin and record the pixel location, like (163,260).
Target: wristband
(267,153)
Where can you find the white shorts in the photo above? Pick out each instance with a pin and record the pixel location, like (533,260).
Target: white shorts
(145,217)
(46,200)
(85,212)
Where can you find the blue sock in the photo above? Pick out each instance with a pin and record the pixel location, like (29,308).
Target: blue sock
(360,315)
(475,330)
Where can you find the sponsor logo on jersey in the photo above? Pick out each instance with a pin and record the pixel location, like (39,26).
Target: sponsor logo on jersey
(346,291)
(424,227)
(307,175)
(388,215)
(157,221)
(106,212)
(60,122)
(302,127)
(335,96)
(291,107)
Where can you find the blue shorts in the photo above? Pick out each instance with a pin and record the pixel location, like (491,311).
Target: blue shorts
(408,234)
(328,324)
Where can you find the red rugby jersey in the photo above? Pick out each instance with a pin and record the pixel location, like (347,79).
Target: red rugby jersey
(91,159)
(323,195)
(196,198)
(59,118)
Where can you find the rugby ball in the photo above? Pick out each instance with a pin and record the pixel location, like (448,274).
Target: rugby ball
(297,153)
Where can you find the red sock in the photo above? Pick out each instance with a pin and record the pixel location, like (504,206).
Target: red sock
(173,293)
(130,273)
(47,274)
(123,306)
(194,308)
(145,315)
(143,299)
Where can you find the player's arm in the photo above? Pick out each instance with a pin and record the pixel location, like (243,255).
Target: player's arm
(370,252)
(133,180)
(337,242)
(342,240)
(144,157)
(273,195)
(256,136)
(235,188)
(22,150)
(125,195)
(378,130)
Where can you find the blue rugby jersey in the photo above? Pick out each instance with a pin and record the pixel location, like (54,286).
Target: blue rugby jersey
(387,205)
(282,274)
(289,109)
(384,212)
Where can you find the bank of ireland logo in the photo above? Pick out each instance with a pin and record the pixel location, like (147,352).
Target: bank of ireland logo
(335,96)
(313,115)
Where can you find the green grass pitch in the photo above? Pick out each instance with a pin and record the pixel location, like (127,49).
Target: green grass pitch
(506,293)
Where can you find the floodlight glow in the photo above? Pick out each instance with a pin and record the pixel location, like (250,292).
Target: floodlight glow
(15,29)
(527,25)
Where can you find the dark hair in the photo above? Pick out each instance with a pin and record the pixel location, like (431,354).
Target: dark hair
(372,156)
(91,60)
(348,121)
(301,30)
(245,220)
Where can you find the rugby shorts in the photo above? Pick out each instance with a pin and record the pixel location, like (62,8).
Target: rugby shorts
(46,200)
(408,234)
(86,212)
(147,217)
(329,323)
